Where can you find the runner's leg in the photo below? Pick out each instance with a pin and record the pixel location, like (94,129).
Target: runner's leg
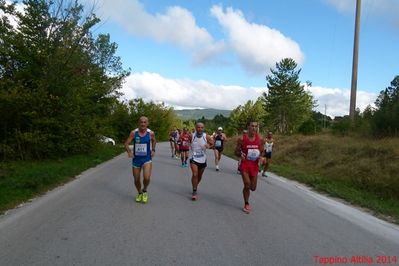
(194,177)
(247,185)
(216,153)
(136,176)
(200,172)
(147,168)
(254,182)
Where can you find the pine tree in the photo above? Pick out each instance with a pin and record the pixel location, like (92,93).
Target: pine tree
(287,102)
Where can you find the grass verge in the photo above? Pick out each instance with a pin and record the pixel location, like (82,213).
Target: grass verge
(363,172)
(24,180)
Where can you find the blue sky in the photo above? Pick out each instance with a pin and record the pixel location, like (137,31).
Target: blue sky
(217,53)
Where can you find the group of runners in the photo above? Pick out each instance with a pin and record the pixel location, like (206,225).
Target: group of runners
(180,142)
(254,153)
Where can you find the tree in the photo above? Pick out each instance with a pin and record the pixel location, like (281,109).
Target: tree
(242,115)
(286,102)
(57,82)
(161,118)
(385,119)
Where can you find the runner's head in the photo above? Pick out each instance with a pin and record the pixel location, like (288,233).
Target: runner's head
(269,134)
(253,128)
(199,127)
(143,122)
(185,129)
(220,130)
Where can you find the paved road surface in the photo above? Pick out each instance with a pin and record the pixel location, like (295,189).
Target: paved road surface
(95,221)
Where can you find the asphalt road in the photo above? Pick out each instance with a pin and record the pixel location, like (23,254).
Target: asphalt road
(94,220)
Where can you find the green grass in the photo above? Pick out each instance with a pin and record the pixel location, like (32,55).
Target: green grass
(23,180)
(363,172)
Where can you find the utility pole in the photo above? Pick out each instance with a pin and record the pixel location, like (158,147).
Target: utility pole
(352,106)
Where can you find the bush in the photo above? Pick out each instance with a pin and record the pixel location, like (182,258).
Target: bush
(341,127)
(309,127)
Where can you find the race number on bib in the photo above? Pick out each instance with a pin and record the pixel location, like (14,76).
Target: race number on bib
(140,149)
(253,154)
(218,143)
(198,154)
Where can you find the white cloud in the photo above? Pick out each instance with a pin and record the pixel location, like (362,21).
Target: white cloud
(186,93)
(177,26)
(258,47)
(337,100)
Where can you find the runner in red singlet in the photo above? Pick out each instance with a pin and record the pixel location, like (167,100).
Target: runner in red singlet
(184,140)
(249,148)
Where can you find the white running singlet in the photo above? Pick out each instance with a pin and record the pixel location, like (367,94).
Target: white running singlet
(198,148)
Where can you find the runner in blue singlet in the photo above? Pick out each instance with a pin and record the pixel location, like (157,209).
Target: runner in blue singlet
(144,142)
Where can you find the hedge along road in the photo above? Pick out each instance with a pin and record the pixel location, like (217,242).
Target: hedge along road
(94,220)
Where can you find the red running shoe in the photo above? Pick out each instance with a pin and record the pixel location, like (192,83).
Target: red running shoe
(194,196)
(247,208)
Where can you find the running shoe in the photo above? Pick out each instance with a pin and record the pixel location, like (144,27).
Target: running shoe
(139,197)
(145,197)
(247,208)
(217,167)
(194,196)
(264,174)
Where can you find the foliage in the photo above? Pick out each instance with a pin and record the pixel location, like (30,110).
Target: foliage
(161,118)
(211,125)
(57,82)
(315,123)
(341,126)
(287,103)
(241,116)
(385,121)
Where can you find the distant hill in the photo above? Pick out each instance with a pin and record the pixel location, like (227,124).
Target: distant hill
(187,114)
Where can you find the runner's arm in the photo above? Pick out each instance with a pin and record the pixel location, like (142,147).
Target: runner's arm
(127,142)
(153,143)
(262,149)
(238,151)
(210,142)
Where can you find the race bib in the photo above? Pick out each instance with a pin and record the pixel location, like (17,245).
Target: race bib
(140,149)
(253,154)
(198,154)
(218,143)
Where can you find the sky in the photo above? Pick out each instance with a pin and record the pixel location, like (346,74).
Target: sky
(216,54)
